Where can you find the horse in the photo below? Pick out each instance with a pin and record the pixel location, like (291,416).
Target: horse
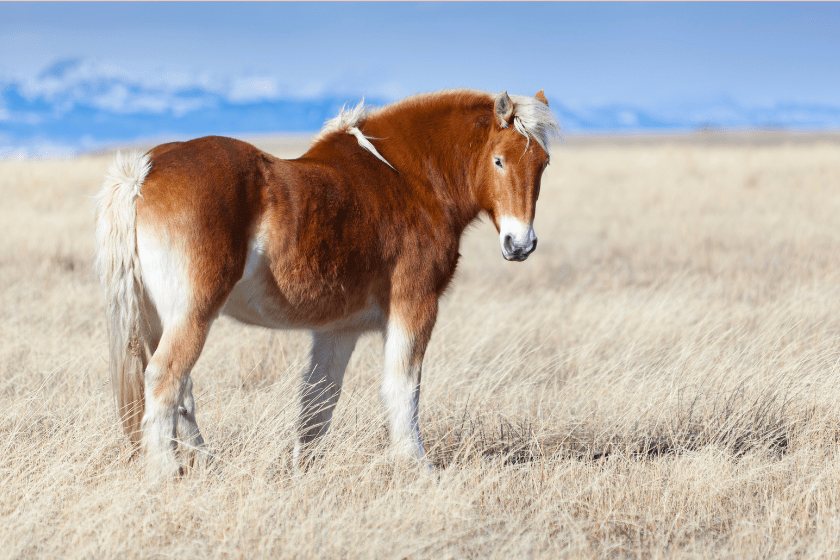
(349,238)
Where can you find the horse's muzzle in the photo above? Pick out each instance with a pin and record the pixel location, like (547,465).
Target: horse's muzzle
(513,251)
(516,238)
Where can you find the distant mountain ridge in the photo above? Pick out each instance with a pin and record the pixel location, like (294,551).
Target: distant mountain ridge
(77,105)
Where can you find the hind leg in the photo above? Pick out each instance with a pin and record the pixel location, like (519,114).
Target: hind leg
(170,410)
(189,437)
(192,244)
(321,388)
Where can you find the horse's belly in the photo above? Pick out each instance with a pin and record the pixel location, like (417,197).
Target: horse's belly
(258,300)
(250,302)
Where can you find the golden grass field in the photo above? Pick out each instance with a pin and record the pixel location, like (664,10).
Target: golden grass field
(660,379)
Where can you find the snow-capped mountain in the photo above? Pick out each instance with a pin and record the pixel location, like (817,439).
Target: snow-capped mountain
(720,113)
(77,105)
(80,105)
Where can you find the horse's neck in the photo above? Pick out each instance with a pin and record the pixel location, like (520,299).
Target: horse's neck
(442,167)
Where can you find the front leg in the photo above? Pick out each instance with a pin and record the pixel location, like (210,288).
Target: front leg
(407,335)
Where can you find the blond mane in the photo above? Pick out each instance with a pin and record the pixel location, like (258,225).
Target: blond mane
(531,117)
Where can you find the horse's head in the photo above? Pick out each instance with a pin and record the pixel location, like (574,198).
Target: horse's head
(510,169)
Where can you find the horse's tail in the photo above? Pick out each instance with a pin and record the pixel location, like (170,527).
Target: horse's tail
(118,267)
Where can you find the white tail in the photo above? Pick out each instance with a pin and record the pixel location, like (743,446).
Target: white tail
(118,267)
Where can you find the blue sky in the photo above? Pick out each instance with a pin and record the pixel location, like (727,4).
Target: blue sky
(586,52)
(658,58)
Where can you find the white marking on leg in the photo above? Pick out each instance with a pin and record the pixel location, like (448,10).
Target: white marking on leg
(159,427)
(170,415)
(401,391)
(189,436)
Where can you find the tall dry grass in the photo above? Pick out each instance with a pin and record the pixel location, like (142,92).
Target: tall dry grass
(660,379)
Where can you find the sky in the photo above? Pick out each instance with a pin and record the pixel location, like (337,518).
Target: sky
(585,52)
(652,57)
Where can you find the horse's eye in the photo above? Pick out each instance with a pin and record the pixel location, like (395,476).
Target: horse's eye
(499,163)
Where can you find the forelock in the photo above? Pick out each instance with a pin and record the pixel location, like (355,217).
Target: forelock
(533,119)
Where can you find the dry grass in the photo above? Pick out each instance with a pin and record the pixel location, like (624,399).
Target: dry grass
(660,379)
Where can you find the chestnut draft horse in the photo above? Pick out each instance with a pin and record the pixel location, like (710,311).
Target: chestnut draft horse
(349,238)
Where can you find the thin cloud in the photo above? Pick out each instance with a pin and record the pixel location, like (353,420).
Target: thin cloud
(80,104)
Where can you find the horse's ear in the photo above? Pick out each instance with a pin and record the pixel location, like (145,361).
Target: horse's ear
(541,97)
(503,109)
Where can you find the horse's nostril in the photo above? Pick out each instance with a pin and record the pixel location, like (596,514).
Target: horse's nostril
(534,245)
(508,243)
